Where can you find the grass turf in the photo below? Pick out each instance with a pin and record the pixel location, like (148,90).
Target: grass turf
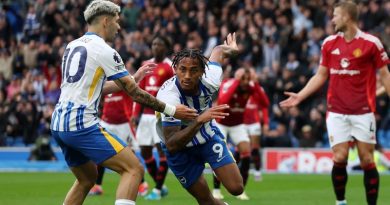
(275,189)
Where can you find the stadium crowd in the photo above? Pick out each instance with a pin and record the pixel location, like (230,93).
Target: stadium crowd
(280,39)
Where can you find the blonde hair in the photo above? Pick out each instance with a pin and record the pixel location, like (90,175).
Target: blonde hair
(351,8)
(98,8)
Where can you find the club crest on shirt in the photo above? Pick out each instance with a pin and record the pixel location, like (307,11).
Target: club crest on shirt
(357,53)
(160,72)
(117,59)
(344,62)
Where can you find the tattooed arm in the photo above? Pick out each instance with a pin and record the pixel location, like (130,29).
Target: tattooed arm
(146,69)
(129,85)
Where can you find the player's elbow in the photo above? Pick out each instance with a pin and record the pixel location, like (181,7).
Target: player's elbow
(217,54)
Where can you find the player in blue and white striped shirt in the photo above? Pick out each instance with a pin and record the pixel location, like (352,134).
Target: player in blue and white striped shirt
(86,65)
(189,145)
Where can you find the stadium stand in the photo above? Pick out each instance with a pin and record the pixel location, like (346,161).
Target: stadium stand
(280,39)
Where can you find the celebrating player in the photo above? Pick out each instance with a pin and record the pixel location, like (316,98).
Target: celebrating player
(188,145)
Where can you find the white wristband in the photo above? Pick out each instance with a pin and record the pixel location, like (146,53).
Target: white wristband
(169,110)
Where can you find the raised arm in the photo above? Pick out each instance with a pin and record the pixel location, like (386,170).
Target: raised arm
(220,52)
(313,85)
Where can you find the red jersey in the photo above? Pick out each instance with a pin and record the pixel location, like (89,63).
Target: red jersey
(237,100)
(352,70)
(251,114)
(153,82)
(117,108)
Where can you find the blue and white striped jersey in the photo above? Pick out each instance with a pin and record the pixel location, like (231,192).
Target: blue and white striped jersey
(86,64)
(171,93)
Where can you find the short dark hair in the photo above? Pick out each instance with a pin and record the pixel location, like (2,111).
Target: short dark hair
(350,7)
(190,53)
(164,39)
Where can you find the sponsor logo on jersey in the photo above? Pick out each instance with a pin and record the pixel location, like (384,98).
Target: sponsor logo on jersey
(344,62)
(152,80)
(116,57)
(120,67)
(344,72)
(169,118)
(336,52)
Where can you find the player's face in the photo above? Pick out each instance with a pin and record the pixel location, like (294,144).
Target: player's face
(188,72)
(339,19)
(158,48)
(244,81)
(112,27)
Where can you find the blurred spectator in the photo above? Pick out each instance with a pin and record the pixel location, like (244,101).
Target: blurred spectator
(280,39)
(130,15)
(42,151)
(307,139)
(6,59)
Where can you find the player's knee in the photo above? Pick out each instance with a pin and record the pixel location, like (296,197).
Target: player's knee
(137,169)
(236,189)
(340,157)
(366,160)
(86,183)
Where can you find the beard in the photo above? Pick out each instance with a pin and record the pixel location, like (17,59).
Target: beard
(341,28)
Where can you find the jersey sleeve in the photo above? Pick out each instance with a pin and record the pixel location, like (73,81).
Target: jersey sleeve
(260,96)
(380,57)
(171,98)
(112,64)
(227,91)
(213,75)
(324,60)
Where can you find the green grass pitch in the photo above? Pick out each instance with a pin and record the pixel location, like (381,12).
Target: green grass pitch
(275,189)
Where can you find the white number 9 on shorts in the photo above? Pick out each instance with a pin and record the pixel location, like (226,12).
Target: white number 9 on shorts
(218,149)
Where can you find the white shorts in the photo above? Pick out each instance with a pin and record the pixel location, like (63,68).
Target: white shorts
(146,131)
(123,131)
(236,133)
(344,128)
(253,129)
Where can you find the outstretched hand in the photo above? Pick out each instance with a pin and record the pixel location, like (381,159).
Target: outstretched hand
(144,70)
(230,45)
(215,112)
(227,49)
(185,113)
(293,100)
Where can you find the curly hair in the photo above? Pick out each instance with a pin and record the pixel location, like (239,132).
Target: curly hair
(190,53)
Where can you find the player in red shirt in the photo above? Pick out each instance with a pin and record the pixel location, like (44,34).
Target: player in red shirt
(236,92)
(146,129)
(252,120)
(350,59)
